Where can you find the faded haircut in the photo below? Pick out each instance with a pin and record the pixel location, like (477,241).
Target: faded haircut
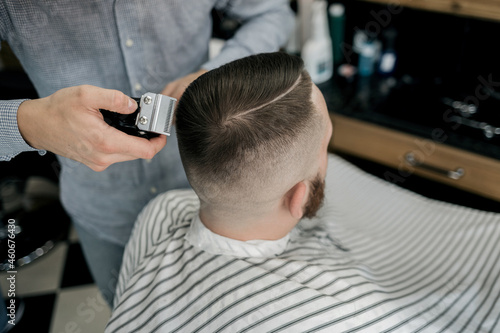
(248,131)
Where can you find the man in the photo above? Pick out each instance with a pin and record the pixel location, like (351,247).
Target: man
(234,257)
(253,137)
(255,149)
(83,56)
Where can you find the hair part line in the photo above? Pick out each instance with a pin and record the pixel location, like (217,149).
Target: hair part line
(296,83)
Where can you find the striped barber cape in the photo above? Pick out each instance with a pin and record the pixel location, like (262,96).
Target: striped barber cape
(377,258)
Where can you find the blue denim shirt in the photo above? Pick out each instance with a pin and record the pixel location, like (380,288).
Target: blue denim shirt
(135,47)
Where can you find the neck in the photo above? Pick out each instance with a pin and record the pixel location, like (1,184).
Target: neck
(270,226)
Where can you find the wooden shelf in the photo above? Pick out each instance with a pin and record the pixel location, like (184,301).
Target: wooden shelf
(482,9)
(481,175)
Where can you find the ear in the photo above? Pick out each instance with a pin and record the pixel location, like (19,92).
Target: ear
(295,200)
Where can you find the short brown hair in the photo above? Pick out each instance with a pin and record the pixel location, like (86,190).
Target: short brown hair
(247,126)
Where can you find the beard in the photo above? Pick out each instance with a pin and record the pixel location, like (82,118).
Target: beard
(316,196)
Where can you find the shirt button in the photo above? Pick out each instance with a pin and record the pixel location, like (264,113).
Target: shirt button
(138,87)
(153,190)
(149,161)
(129,43)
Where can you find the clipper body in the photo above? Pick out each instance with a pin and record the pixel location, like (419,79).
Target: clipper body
(153,116)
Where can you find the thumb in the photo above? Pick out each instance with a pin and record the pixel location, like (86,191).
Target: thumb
(110,99)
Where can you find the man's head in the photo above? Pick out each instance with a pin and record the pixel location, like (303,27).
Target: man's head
(250,131)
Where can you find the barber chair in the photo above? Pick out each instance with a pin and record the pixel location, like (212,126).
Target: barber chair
(29,200)
(29,195)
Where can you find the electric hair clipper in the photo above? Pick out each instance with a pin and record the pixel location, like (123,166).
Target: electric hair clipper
(154,116)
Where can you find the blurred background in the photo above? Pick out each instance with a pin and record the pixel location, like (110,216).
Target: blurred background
(414,93)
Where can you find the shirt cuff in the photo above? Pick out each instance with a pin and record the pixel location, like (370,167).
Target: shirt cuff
(11,140)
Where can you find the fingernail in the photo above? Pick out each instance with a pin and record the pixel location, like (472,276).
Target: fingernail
(132,105)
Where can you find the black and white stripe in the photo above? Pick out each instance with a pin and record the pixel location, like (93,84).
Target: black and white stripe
(377,259)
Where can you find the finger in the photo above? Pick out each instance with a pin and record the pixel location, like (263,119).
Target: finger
(168,89)
(135,147)
(158,142)
(101,162)
(108,99)
(172,90)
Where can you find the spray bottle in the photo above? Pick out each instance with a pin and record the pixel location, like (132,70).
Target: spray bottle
(317,51)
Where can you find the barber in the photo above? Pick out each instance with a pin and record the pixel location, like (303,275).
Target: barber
(83,56)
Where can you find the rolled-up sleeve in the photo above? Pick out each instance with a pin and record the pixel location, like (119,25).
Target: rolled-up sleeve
(266,26)
(11,140)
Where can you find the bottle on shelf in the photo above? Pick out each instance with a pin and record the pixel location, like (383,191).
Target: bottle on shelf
(388,58)
(367,57)
(336,14)
(293,44)
(317,51)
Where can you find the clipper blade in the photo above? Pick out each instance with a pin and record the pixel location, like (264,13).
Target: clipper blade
(156,113)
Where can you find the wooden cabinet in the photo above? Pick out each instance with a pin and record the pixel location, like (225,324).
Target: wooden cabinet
(483,9)
(408,154)
(380,133)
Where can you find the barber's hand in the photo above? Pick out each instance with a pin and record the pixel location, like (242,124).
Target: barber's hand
(176,88)
(69,123)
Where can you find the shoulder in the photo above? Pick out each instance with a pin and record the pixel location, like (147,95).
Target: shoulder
(167,211)
(174,198)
